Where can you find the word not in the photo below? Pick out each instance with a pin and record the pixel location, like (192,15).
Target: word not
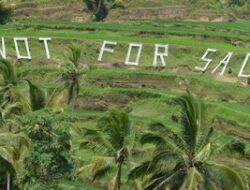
(27,49)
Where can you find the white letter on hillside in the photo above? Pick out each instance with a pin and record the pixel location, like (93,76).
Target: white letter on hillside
(204,58)
(45,41)
(3,50)
(243,67)
(224,62)
(25,40)
(136,63)
(103,48)
(161,55)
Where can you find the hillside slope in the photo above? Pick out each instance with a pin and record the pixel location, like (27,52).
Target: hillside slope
(75,10)
(144,92)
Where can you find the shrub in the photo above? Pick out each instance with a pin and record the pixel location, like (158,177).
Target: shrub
(100,8)
(49,161)
(237,2)
(5,13)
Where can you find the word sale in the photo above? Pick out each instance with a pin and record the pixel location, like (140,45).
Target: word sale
(161,52)
(24,40)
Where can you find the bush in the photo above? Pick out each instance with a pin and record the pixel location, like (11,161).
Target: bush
(49,160)
(5,13)
(100,8)
(237,2)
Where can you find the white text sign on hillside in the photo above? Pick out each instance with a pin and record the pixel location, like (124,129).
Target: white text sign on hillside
(24,41)
(161,52)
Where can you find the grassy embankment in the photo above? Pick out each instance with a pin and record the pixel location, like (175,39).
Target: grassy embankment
(146,92)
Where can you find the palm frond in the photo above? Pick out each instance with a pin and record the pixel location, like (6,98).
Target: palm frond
(227,176)
(191,180)
(13,147)
(96,141)
(164,179)
(140,170)
(117,128)
(101,166)
(209,183)
(164,156)
(75,55)
(37,97)
(170,137)
(152,138)
(19,98)
(55,99)
(10,109)
(204,154)
(160,128)
(191,118)
(204,138)
(7,70)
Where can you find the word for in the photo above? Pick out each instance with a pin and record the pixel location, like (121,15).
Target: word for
(162,55)
(27,49)
(161,52)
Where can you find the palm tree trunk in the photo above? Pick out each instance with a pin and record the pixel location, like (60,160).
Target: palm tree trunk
(10,128)
(100,4)
(8,181)
(119,175)
(71,89)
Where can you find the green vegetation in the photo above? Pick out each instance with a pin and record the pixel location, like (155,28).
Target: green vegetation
(182,160)
(49,160)
(100,8)
(72,123)
(5,13)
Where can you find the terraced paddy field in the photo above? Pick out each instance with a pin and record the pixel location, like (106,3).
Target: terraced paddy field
(145,92)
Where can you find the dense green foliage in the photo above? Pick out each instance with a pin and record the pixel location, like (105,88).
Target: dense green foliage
(112,142)
(63,104)
(49,160)
(183,160)
(100,8)
(5,13)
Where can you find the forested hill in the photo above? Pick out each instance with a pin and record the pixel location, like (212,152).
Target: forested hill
(82,10)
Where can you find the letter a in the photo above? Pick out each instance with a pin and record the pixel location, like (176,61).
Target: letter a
(224,62)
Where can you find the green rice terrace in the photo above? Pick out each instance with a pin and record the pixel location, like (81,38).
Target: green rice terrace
(72,122)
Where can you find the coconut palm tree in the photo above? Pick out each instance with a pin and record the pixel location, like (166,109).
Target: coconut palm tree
(98,8)
(12,150)
(182,159)
(71,73)
(12,98)
(112,141)
(10,80)
(9,92)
